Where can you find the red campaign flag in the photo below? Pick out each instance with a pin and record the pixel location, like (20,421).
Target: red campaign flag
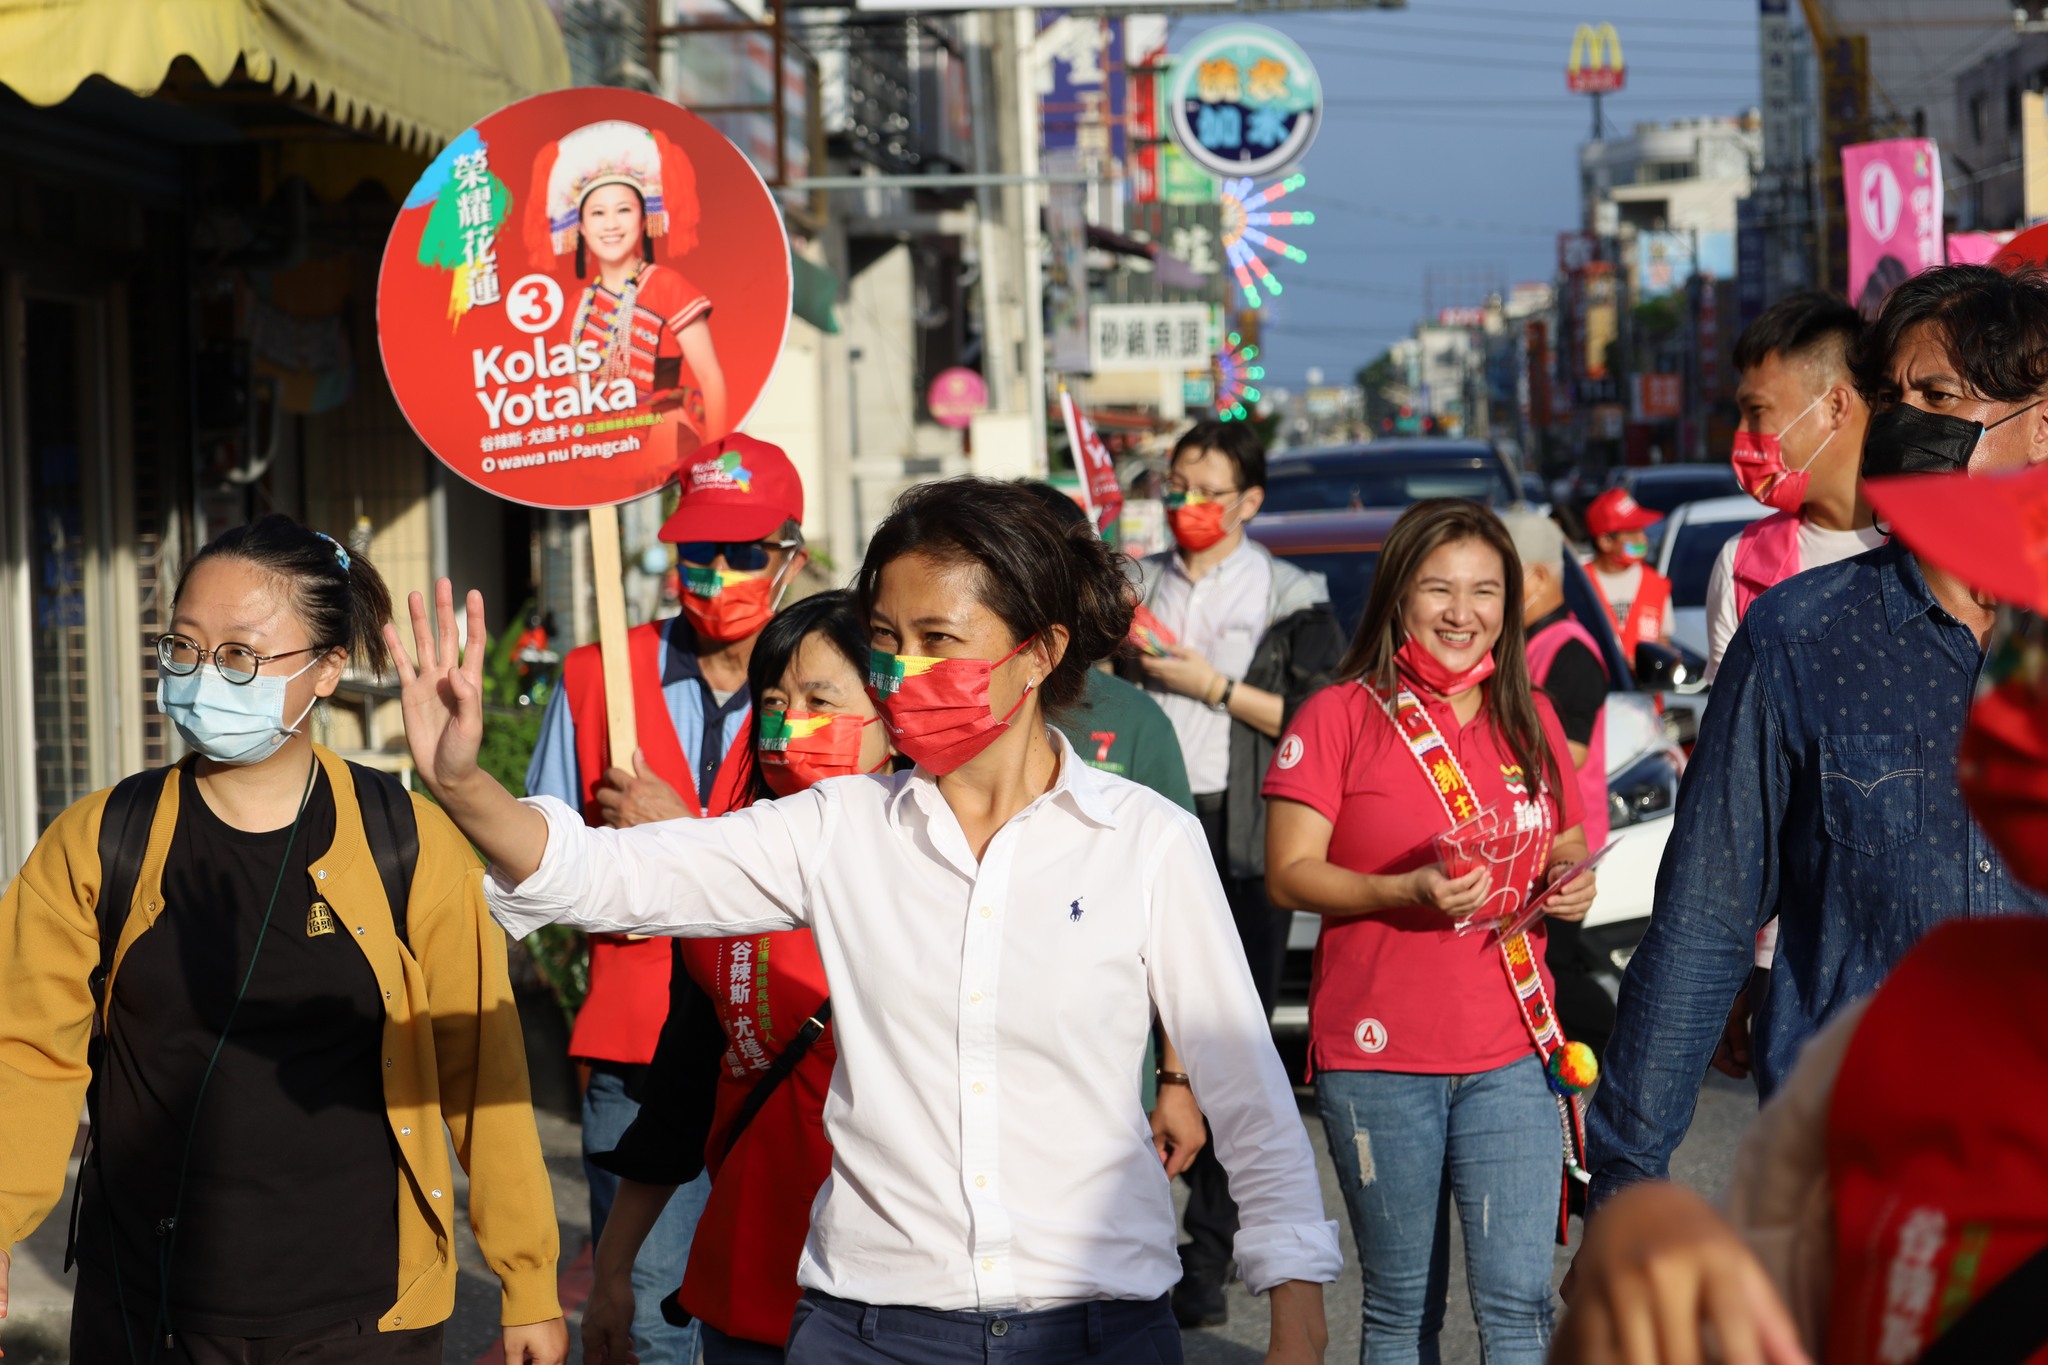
(1099,490)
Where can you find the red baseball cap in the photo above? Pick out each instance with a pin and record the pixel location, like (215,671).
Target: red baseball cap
(1989,530)
(1615,510)
(735,489)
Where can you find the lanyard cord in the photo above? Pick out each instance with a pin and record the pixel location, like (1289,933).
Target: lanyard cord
(167,1230)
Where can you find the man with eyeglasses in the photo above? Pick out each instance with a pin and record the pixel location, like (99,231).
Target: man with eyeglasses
(1251,637)
(738,535)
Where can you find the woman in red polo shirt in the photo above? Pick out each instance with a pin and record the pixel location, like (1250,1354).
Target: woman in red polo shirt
(1429,1062)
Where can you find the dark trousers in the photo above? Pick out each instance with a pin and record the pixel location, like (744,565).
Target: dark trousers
(97,1337)
(829,1331)
(1211,1217)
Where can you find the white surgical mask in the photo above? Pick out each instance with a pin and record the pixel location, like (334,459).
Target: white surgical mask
(234,723)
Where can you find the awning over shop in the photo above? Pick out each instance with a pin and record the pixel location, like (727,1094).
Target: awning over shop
(813,289)
(416,72)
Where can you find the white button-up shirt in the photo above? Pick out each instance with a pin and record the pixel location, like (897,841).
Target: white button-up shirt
(1222,617)
(989,1146)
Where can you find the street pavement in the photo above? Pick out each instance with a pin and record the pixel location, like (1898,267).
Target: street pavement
(36,1329)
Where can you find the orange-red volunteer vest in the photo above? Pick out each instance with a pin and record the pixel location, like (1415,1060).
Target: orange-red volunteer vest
(764,987)
(622,1016)
(1938,1139)
(1644,614)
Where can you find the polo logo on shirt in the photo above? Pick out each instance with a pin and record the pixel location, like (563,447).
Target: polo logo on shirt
(1290,751)
(1103,739)
(1074,910)
(1370,1035)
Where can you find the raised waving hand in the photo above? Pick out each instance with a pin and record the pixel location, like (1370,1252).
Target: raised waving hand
(442,695)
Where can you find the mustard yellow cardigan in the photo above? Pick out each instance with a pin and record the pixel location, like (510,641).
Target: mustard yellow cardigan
(453,1053)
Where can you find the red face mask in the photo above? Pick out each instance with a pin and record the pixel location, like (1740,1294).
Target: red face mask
(937,710)
(1423,667)
(723,605)
(799,748)
(1759,462)
(1196,524)
(2003,765)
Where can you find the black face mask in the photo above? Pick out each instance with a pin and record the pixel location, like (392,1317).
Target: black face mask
(1907,440)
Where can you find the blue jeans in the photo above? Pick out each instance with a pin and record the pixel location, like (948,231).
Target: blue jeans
(607,1112)
(1403,1145)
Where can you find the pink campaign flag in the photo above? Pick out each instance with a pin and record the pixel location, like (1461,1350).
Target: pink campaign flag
(1975,248)
(1894,193)
(1093,463)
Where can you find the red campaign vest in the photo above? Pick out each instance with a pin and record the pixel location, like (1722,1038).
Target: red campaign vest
(764,987)
(621,1017)
(1766,554)
(1542,652)
(1936,1137)
(1646,611)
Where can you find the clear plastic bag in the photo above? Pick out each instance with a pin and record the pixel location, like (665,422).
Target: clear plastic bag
(1512,840)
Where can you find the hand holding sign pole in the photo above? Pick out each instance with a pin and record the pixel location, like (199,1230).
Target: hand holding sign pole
(580,292)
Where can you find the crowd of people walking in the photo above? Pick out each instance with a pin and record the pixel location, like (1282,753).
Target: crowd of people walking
(936,924)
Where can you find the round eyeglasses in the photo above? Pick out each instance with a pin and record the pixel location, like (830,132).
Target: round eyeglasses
(239,664)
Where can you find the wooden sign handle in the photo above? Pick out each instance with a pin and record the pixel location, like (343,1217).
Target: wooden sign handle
(610,573)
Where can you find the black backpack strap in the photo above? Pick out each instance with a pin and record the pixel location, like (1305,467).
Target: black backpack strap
(124,840)
(124,843)
(394,834)
(2005,1327)
(776,1074)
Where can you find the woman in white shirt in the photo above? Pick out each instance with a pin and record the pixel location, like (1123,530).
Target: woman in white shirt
(998,926)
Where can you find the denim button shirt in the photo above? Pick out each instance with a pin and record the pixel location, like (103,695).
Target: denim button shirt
(1822,791)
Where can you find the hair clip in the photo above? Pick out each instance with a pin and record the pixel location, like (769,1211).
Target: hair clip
(340,553)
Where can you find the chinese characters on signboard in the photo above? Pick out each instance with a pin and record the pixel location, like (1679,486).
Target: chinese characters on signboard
(1150,336)
(1244,101)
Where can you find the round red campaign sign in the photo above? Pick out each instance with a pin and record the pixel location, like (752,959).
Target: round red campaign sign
(580,291)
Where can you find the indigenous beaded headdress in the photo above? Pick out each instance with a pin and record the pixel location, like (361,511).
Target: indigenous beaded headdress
(613,152)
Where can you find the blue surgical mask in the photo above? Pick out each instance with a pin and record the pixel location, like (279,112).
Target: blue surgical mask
(231,723)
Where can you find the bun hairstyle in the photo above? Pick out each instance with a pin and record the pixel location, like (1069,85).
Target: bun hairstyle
(338,594)
(833,616)
(1032,573)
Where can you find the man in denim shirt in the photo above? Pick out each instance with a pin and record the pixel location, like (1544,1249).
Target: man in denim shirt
(1823,787)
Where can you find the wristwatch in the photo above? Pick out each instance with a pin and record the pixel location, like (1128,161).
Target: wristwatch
(1222,703)
(1172,1077)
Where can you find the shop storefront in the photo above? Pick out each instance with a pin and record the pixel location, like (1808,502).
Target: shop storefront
(193,203)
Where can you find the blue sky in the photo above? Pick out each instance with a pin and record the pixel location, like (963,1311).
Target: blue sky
(1450,148)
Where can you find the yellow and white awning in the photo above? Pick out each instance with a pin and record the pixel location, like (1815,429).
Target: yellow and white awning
(416,72)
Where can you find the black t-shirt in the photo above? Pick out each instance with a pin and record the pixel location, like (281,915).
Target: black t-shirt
(1576,683)
(290,1214)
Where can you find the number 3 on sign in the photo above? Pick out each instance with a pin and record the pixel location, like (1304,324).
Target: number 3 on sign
(534,303)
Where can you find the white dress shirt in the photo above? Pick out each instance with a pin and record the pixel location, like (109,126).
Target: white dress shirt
(1222,617)
(989,1145)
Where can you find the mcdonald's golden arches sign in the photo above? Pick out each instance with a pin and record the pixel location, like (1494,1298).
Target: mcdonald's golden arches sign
(1596,67)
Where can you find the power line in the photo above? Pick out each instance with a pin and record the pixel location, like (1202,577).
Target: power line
(1463,12)
(1395,29)
(1659,72)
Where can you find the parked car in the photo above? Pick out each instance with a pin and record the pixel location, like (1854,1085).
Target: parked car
(1535,495)
(1390,473)
(1643,763)
(1691,540)
(1664,487)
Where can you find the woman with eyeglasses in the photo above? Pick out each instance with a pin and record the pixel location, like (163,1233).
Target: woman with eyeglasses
(998,927)
(275,1055)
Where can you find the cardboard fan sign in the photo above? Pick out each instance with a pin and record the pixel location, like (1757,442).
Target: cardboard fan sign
(580,291)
